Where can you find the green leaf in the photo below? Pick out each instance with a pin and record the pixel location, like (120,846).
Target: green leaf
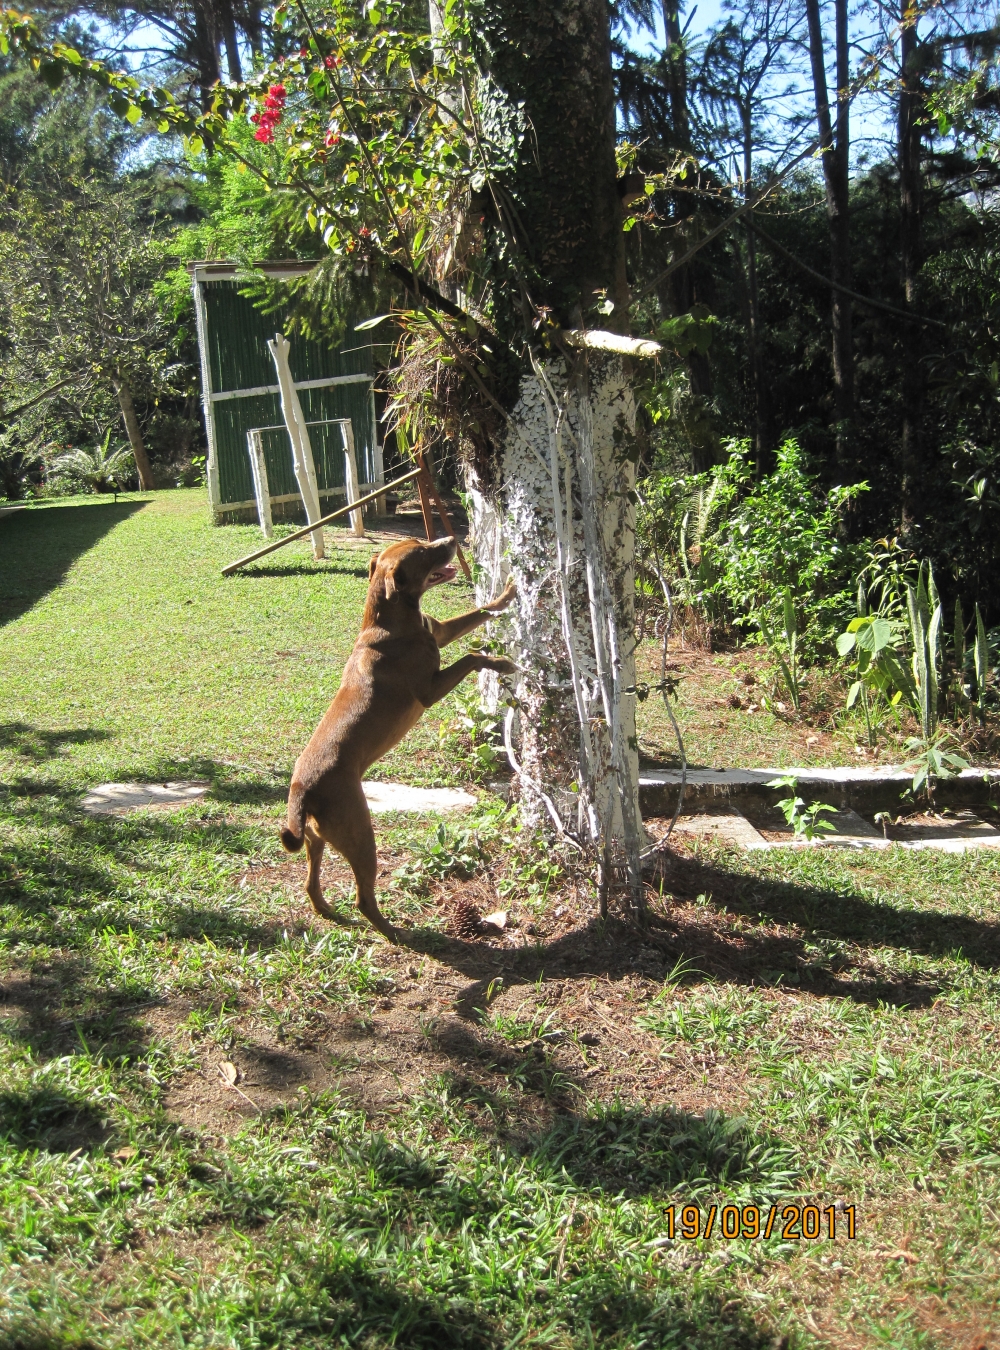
(845,643)
(875,636)
(51,73)
(134,114)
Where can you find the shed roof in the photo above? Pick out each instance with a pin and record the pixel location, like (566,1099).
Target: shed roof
(208,269)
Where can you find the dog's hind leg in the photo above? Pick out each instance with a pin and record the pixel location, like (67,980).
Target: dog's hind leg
(350,832)
(314,887)
(361,854)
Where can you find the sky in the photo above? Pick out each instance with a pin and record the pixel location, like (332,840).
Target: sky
(871,129)
(872,124)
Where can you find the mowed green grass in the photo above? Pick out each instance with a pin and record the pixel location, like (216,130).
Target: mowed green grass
(815,1028)
(147,659)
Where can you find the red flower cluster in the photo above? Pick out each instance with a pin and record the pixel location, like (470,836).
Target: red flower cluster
(331,61)
(332,138)
(266,120)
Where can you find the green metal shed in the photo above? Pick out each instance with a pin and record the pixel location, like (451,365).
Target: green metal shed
(240,395)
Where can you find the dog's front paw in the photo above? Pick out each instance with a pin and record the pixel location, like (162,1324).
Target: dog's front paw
(502,601)
(502,666)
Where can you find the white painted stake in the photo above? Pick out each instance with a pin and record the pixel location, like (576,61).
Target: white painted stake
(201,323)
(351,478)
(302,455)
(261,487)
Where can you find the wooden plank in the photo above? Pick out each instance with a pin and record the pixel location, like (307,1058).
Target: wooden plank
(327,382)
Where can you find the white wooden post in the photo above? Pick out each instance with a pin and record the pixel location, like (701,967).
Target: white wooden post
(261,487)
(381,505)
(302,456)
(351,478)
(201,324)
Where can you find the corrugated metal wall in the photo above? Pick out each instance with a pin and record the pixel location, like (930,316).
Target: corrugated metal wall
(238,358)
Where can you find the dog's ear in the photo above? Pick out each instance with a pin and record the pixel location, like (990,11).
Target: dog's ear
(390,585)
(372,565)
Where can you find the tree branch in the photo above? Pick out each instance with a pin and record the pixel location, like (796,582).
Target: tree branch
(835,286)
(40,398)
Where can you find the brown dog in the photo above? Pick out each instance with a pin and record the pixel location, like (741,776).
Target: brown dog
(393,674)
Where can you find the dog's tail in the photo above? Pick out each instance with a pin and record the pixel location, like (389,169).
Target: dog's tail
(294,831)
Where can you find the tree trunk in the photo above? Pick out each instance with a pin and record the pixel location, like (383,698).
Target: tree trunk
(252,24)
(227,22)
(680,291)
(558,514)
(206,49)
(135,440)
(564,527)
(758,374)
(836,164)
(910,221)
(677,74)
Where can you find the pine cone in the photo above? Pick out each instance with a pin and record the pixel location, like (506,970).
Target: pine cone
(467,921)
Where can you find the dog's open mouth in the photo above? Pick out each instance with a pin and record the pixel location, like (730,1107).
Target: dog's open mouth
(440,574)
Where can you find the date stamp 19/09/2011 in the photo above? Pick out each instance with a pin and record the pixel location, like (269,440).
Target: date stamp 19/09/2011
(792,1223)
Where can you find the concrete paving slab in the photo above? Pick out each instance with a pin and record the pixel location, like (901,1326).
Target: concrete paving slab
(849,831)
(952,833)
(386,797)
(959,834)
(721,827)
(120,799)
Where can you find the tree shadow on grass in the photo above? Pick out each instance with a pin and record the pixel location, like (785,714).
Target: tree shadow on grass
(620,1149)
(336,1296)
(38,745)
(713,939)
(54,1121)
(617,1151)
(68,880)
(38,547)
(63,1006)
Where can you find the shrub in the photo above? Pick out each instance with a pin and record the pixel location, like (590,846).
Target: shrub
(735,544)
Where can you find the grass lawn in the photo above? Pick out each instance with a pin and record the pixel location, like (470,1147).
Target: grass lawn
(226,1123)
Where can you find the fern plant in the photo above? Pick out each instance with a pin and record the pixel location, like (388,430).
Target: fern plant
(101,469)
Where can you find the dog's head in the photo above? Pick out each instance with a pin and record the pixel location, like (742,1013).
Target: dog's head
(407,569)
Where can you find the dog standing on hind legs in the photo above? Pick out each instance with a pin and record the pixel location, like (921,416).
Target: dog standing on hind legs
(393,674)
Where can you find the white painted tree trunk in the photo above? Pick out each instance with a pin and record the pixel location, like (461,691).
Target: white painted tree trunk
(561,523)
